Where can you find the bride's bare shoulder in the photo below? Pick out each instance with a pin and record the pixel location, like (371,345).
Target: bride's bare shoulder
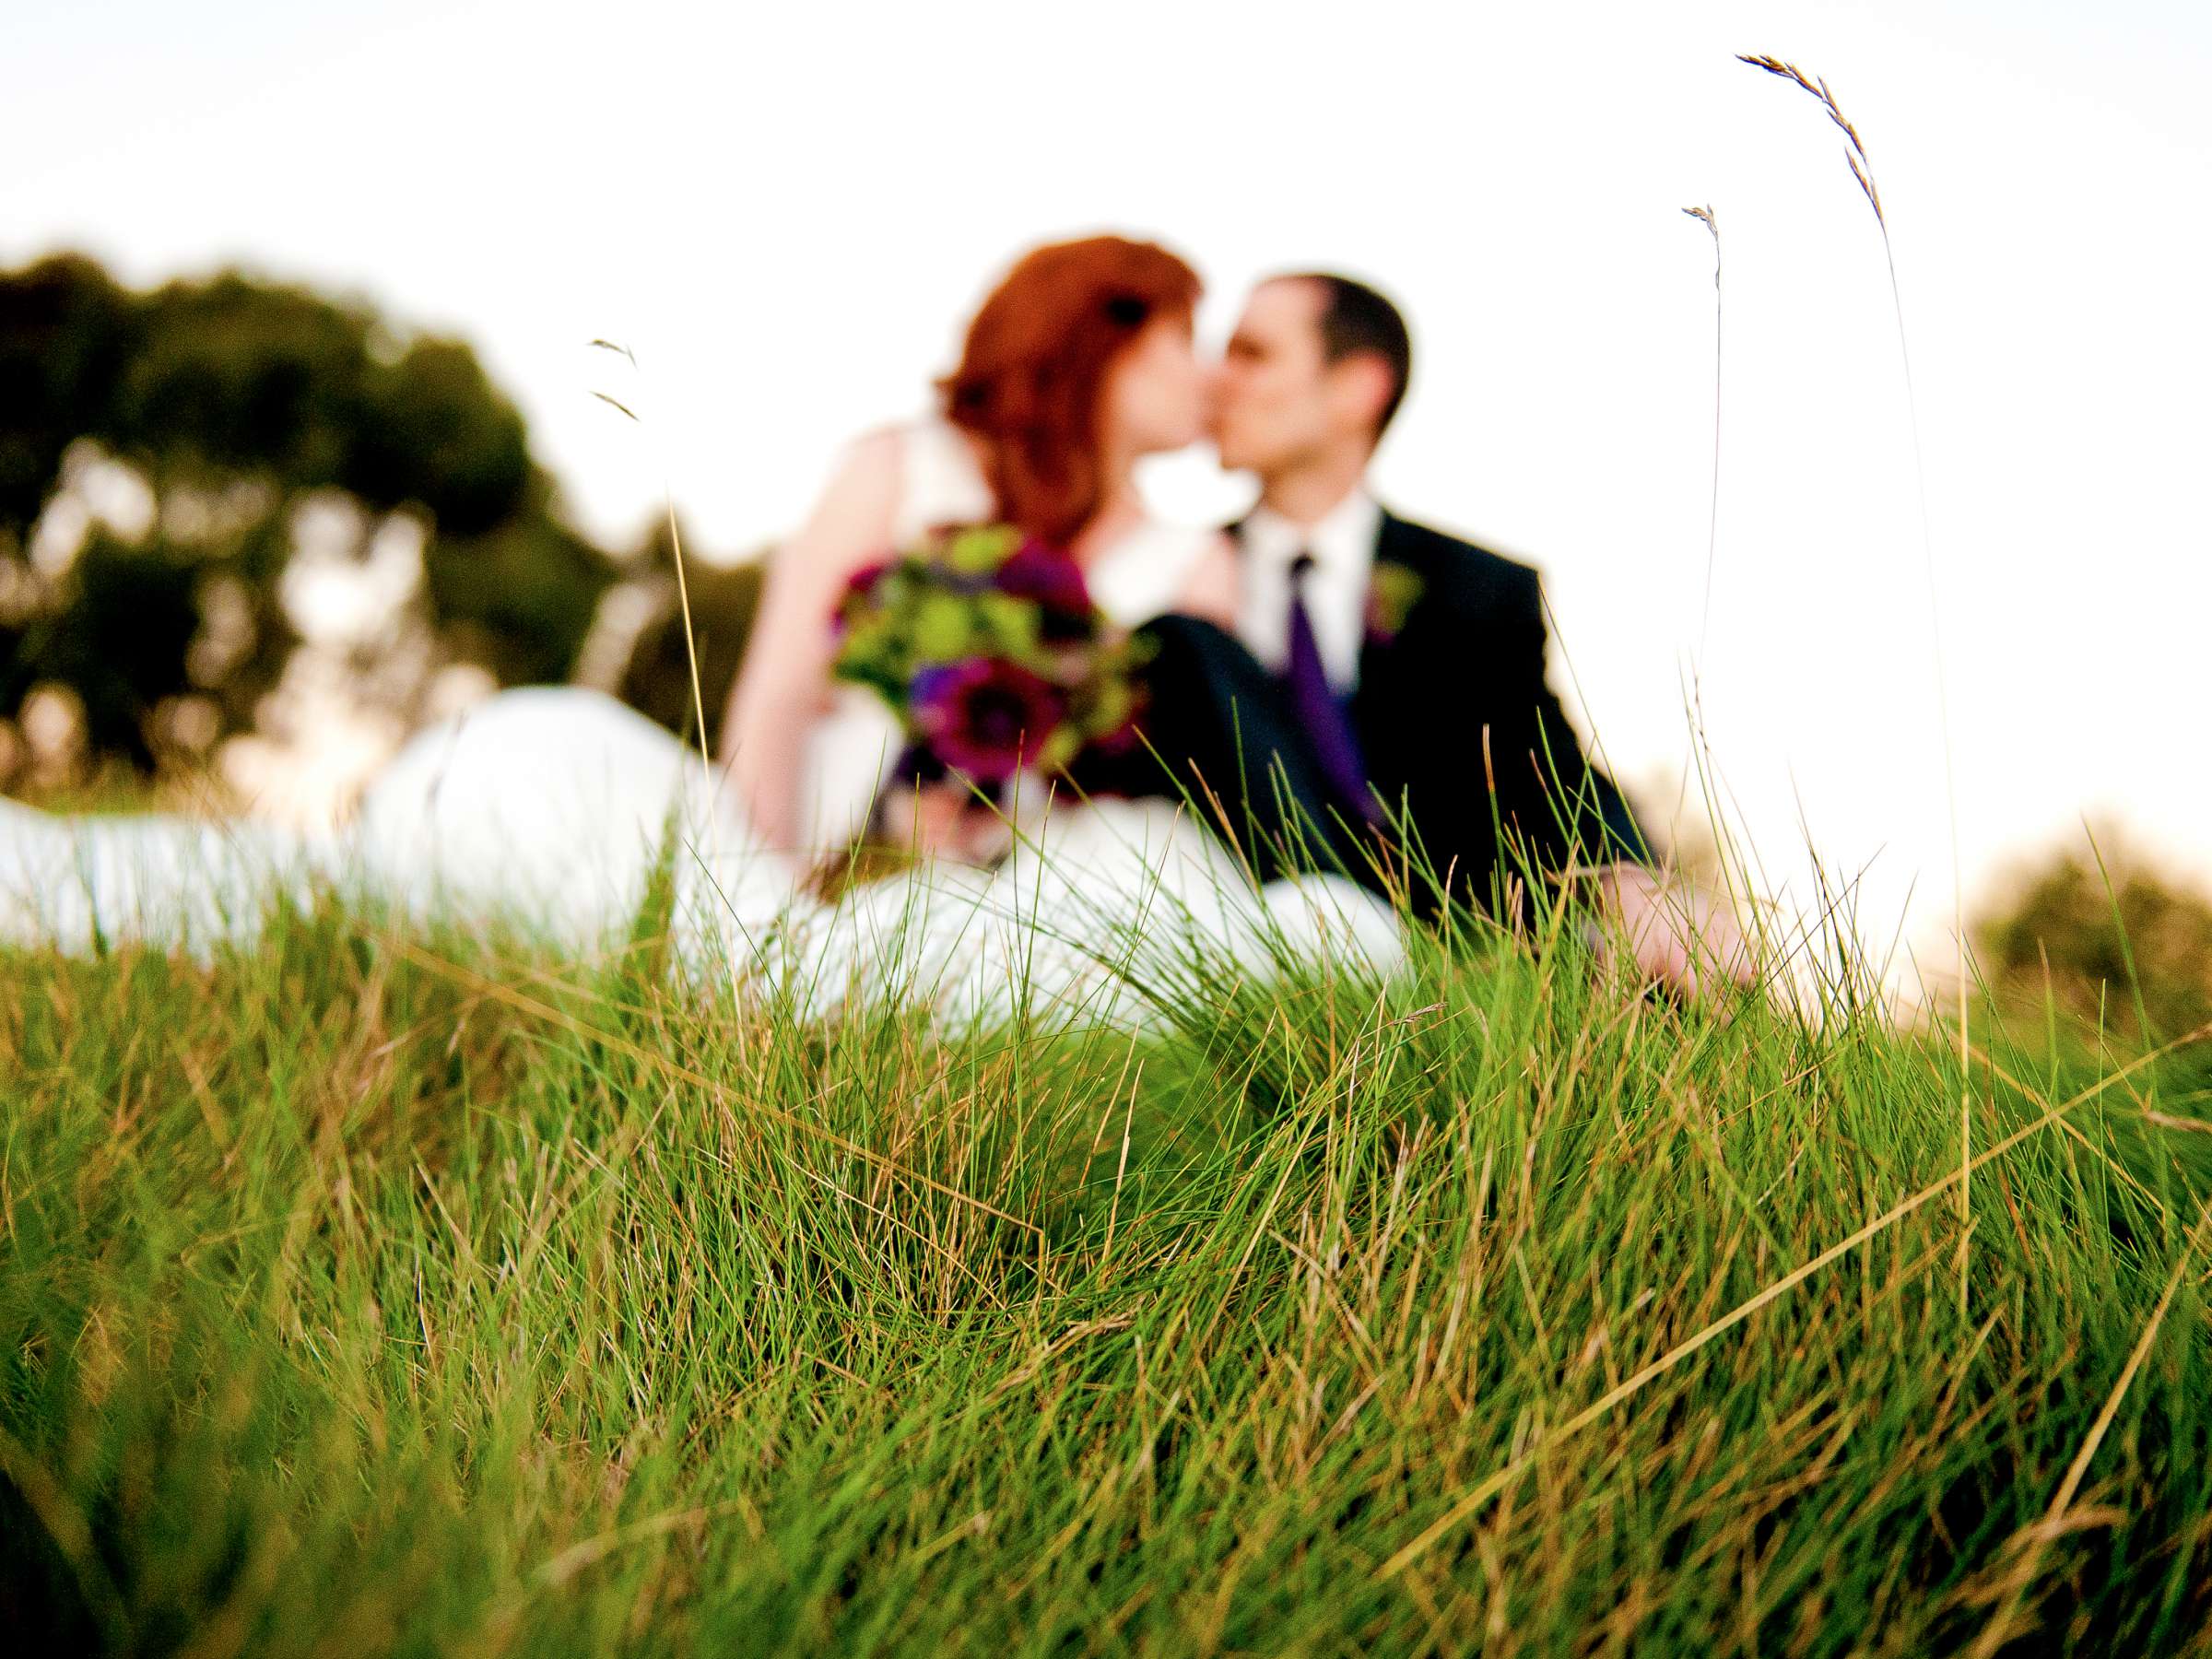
(851,519)
(874,460)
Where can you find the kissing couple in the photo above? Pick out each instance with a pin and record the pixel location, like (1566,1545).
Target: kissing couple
(1332,687)
(1109,734)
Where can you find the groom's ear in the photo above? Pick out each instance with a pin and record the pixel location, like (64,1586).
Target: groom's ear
(1363,386)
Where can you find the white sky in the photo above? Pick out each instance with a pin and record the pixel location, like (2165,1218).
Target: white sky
(788,211)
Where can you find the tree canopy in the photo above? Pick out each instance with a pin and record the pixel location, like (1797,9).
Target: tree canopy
(236,401)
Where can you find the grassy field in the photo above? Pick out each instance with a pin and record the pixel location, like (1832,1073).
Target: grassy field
(369,1295)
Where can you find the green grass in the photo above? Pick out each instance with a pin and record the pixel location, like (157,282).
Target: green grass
(363,1296)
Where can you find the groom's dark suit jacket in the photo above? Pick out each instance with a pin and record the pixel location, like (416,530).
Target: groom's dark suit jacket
(1464,740)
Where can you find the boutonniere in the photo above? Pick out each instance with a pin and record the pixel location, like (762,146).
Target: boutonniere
(1391,592)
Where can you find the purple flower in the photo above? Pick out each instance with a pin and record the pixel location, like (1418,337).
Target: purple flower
(984,715)
(1052,581)
(859,587)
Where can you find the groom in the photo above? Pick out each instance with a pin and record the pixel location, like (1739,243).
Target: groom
(1384,675)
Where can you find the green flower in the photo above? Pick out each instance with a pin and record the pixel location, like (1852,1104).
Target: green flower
(943,625)
(1108,706)
(1009,626)
(1057,750)
(978,551)
(1391,592)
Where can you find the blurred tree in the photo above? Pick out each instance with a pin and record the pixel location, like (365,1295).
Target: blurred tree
(517,597)
(65,333)
(2101,941)
(124,620)
(236,403)
(656,679)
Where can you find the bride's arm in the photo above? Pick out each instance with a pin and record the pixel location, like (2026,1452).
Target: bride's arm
(784,684)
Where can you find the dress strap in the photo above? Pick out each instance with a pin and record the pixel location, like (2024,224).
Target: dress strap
(939,482)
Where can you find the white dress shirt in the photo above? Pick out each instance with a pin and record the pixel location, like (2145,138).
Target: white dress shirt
(1343,548)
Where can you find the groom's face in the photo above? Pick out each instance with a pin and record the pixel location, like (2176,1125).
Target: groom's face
(1278,400)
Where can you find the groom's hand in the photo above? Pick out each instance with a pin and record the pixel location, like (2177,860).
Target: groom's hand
(1676,933)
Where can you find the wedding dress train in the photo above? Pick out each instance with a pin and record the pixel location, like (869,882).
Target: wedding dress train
(548,810)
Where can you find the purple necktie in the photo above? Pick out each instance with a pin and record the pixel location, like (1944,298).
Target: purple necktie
(1317,707)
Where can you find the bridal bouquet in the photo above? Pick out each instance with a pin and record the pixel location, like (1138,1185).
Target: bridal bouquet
(987,647)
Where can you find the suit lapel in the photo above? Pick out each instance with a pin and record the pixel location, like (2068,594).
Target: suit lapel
(1379,652)
(1372,647)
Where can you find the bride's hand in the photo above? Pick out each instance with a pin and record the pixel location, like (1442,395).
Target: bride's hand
(946,820)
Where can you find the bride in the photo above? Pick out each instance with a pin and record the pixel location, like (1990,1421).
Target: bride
(548,807)
(1076,367)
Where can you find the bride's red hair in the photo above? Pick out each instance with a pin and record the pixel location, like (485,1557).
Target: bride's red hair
(1035,363)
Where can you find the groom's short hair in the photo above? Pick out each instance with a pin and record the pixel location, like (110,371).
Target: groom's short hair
(1356,319)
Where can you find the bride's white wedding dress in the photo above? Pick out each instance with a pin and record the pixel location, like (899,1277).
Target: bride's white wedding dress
(547,809)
